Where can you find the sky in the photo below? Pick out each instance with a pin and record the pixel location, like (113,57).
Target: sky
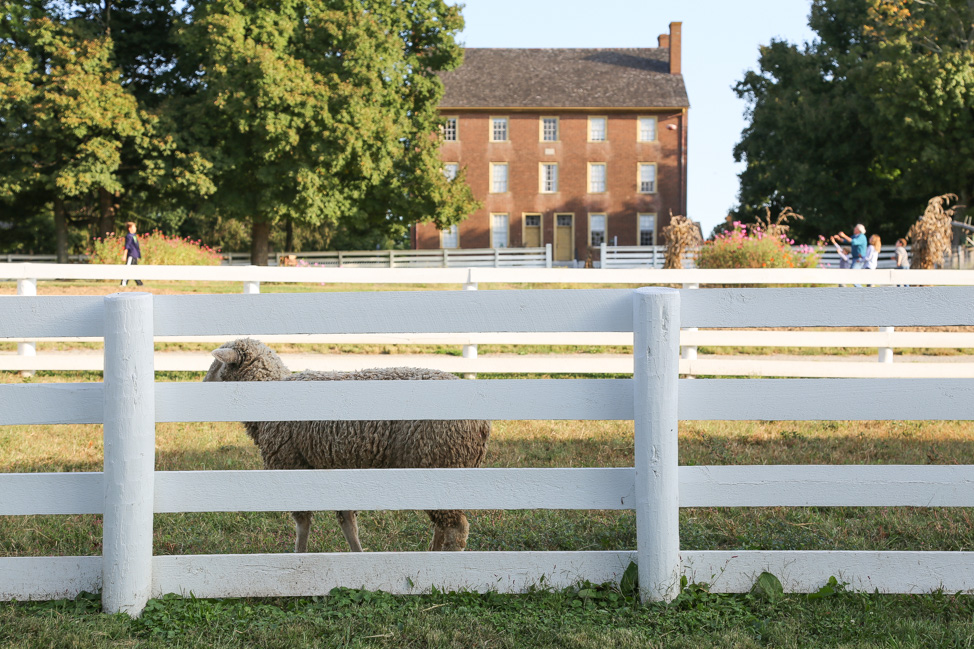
(720,43)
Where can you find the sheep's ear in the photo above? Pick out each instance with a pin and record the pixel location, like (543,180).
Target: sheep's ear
(226,355)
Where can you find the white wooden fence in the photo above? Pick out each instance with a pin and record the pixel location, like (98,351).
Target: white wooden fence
(129,403)
(885,339)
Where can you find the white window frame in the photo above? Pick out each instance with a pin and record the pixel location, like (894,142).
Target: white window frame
(557,128)
(494,167)
(507,229)
(592,189)
(544,186)
(605,128)
(594,216)
(451,166)
(454,231)
(492,124)
(455,130)
(640,230)
(641,133)
(640,187)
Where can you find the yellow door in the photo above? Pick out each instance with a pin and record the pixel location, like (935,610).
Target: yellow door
(532,230)
(564,230)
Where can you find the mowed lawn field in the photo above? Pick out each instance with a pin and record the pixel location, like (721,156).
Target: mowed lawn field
(589,615)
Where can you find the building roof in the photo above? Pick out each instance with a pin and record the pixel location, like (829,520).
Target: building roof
(564,78)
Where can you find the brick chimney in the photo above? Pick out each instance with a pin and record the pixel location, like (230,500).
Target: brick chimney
(673,42)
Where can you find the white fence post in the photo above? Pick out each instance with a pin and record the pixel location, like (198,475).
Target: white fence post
(253,288)
(470,351)
(129,416)
(547,255)
(603,255)
(27,287)
(886,353)
(656,343)
(690,351)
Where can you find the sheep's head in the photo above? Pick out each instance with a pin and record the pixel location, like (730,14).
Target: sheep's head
(246,359)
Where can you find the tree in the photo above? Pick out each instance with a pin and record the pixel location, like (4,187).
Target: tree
(864,123)
(75,141)
(325,113)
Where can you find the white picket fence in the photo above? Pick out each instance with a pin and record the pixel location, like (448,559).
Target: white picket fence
(129,403)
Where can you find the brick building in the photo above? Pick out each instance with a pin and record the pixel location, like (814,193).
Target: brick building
(566,146)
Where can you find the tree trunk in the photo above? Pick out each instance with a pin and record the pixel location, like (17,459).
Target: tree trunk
(289,235)
(60,232)
(106,213)
(260,235)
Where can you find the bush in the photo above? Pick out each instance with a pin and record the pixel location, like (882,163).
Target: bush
(157,249)
(754,247)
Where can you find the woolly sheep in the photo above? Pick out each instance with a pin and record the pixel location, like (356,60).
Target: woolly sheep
(355,444)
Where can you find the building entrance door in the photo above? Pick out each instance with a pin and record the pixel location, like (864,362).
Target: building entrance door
(532,230)
(564,237)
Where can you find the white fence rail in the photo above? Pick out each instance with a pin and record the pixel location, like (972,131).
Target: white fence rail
(129,492)
(885,339)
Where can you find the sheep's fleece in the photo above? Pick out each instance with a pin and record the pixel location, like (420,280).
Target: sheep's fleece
(355,444)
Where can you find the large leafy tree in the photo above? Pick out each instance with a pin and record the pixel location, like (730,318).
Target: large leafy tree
(76,142)
(324,113)
(865,123)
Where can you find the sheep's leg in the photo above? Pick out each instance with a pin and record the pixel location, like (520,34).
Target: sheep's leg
(302,523)
(350,529)
(450,530)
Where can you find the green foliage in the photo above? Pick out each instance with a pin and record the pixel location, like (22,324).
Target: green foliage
(753,247)
(157,249)
(325,113)
(865,123)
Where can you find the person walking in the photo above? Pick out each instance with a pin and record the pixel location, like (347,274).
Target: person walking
(901,256)
(131,253)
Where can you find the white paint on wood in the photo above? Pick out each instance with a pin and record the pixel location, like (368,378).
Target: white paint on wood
(356,400)
(51,403)
(656,317)
(807,571)
(370,489)
(886,353)
(31,494)
(827,486)
(46,578)
(129,453)
(825,369)
(827,399)
(833,307)
(288,575)
(50,316)
(394,312)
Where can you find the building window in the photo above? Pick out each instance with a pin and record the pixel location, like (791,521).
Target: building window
(498,230)
(647,229)
(647,178)
(532,220)
(498,129)
(596,177)
(549,178)
(450,129)
(450,170)
(596,129)
(450,237)
(549,129)
(647,129)
(498,178)
(596,229)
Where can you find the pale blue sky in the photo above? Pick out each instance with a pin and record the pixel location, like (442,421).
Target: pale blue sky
(720,42)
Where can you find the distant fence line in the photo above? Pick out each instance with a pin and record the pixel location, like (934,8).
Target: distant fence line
(129,492)
(609,257)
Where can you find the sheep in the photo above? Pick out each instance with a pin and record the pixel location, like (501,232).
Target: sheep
(355,444)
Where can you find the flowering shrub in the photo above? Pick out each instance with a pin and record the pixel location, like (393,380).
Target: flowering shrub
(751,246)
(157,249)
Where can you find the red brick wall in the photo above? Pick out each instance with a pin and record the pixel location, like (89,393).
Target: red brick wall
(524,152)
